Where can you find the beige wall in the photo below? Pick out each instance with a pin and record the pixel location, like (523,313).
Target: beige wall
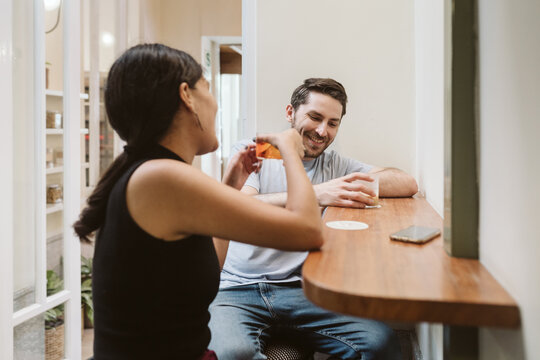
(181,23)
(509,58)
(366,45)
(430,99)
(509,126)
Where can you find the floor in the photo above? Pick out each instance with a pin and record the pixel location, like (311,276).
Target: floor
(87,344)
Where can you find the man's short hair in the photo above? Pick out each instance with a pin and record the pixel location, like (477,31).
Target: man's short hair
(328,87)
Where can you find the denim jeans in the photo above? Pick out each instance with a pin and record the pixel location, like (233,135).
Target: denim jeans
(242,318)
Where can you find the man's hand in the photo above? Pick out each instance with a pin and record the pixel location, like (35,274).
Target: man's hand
(240,165)
(345,192)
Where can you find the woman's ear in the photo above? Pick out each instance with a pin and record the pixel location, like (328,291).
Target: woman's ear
(186,95)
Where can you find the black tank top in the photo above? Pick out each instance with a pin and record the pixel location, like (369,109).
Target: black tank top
(151,296)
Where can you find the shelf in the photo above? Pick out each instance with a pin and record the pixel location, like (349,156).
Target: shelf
(61,131)
(55,237)
(59,93)
(52,208)
(54,170)
(59,169)
(54,131)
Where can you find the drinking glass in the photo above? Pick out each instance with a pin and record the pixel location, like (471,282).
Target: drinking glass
(373,185)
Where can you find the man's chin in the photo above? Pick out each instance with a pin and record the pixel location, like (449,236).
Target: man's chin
(312,154)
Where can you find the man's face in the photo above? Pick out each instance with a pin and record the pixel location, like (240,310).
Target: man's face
(318,120)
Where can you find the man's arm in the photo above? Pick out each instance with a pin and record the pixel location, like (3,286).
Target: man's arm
(342,191)
(345,192)
(394,182)
(277,199)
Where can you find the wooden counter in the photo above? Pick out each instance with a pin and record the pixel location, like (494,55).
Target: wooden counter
(364,273)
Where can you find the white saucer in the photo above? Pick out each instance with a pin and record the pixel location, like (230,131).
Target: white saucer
(347,225)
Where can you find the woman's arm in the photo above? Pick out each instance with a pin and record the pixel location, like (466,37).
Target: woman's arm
(171,200)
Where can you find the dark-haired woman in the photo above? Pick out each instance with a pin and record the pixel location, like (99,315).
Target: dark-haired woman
(155,267)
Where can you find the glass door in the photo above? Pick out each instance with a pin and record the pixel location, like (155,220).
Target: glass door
(40,307)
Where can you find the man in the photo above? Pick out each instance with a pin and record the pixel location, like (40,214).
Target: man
(260,290)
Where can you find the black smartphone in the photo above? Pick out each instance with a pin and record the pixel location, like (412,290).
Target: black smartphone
(416,234)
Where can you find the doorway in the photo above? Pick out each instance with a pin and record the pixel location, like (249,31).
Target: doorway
(222,67)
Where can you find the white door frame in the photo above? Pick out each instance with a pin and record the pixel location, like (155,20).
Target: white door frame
(248,106)
(72,162)
(211,162)
(6,181)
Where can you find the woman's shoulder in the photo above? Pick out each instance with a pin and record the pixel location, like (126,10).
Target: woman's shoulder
(155,194)
(162,172)
(159,179)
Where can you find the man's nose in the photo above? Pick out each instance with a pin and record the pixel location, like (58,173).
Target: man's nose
(321,129)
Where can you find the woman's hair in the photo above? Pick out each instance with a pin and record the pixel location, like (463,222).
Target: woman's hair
(141,98)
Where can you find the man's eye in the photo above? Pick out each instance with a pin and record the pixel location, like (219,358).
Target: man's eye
(332,124)
(314,118)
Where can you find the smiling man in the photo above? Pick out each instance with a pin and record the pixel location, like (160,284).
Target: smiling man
(260,289)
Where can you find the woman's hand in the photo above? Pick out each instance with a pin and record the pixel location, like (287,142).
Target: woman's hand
(240,166)
(288,140)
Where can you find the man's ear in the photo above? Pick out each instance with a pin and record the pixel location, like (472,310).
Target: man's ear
(186,96)
(289,113)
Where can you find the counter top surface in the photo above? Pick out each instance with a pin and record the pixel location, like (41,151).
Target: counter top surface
(364,273)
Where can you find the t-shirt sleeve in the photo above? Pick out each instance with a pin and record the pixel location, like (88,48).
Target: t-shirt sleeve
(240,145)
(253,180)
(347,166)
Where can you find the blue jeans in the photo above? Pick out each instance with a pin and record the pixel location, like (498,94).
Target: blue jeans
(242,318)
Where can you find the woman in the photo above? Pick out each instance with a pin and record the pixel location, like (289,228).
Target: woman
(155,267)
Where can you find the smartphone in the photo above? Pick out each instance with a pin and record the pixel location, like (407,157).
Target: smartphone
(415,234)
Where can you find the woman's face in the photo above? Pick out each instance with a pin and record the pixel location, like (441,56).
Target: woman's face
(206,108)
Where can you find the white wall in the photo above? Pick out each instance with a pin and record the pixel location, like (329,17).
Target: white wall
(510,167)
(366,45)
(430,100)
(509,126)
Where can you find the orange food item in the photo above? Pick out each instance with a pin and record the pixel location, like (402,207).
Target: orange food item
(267,151)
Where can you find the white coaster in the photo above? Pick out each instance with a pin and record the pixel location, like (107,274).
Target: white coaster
(347,225)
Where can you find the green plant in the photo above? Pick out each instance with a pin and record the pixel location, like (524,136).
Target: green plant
(86,288)
(54,317)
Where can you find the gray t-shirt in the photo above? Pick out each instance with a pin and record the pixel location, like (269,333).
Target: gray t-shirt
(247,264)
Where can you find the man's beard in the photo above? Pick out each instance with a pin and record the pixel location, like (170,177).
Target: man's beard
(309,151)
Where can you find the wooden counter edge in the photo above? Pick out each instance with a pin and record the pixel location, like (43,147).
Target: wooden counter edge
(413,310)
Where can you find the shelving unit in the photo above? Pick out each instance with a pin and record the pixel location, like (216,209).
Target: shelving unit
(54,237)
(55,143)
(52,208)
(54,170)
(60,94)
(61,131)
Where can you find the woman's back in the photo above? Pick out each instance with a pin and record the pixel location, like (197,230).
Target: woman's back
(151,296)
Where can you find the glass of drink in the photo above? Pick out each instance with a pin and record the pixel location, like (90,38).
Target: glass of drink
(374,186)
(264,150)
